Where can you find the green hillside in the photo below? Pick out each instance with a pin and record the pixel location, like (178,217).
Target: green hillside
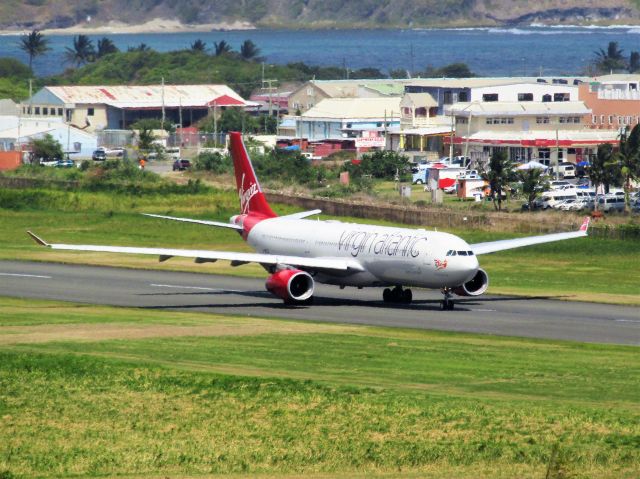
(316,13)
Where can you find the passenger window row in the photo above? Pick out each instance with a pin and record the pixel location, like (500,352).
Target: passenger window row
(453,252)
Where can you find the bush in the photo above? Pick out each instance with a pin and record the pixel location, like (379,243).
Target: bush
(214,162)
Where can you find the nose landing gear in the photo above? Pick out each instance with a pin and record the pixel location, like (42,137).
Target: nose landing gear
(447,303)
(397,295)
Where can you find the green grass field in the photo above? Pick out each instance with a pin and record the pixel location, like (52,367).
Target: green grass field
(585,269)
(92,391)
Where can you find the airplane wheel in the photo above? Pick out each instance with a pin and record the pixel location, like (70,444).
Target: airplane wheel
(407,296)
(447,305)
(387,295)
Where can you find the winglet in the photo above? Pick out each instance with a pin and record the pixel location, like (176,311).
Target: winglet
(585,224)
(37,239)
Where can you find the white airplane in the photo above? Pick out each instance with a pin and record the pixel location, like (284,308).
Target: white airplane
(297,252)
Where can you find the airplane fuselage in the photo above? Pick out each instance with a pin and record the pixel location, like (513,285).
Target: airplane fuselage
(387,256)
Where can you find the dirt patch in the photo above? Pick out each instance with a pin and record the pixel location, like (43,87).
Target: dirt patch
(104,332)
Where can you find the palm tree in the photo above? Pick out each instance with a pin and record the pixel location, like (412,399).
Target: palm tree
(105,47)
(533,183)
(634,62)
(143,47)
(628,160)
(249,50)
(221,48)
(498,176)
(34,44)
(198,46)
(603,169)
(610,60)
(82,52)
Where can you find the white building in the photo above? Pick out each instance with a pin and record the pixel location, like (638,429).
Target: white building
(16,133)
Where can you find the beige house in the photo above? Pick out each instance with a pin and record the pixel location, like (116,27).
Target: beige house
(312,92)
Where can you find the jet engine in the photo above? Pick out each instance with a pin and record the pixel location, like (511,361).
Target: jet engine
(475,286)
(292,285)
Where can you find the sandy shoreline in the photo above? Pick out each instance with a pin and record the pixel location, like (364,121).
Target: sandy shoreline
(158,25)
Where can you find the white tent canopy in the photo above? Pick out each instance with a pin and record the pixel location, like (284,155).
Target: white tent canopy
(532,165)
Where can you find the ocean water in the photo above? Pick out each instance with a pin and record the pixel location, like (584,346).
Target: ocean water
(532,50)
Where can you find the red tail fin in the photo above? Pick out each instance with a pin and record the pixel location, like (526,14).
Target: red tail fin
(252,200)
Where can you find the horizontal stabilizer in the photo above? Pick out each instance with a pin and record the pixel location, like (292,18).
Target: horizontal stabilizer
(302,214)
(200,222)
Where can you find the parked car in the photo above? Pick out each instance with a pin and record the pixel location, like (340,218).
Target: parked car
(49,161)
(99,155)
(65,163)
(181,165)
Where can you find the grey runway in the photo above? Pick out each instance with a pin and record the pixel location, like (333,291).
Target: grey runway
(549,318)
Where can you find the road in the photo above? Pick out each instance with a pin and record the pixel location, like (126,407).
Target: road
(549,318)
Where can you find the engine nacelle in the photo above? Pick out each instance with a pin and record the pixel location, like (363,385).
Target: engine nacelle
(475,286)
(292,285)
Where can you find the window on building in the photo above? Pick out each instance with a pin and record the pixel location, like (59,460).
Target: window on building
(90,111)
(602,119)
(562,119)
(542,119)
(463,96)
(560,97)
(611,119)
(36,110)
(461,120)
(546,98)
(448,98)
(60,113)
(544,153)
(576,119)
(594,119)
(525,96)
(45,110)
(421,112)
(490,97)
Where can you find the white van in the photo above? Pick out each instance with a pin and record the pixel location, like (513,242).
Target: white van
(609,203)
(550,199)
(172,152)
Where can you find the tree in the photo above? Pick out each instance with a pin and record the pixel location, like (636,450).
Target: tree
(399,73)
(106,47)
(634,62)
(145,138)
(15,69)
(198,46)
(34,44)
(143,47)
(46,148)
(82,52)
(603,170)
(249,51)
(383,164)
(499,174)
(221,48)
(610,60)
(533,183)
(628,160)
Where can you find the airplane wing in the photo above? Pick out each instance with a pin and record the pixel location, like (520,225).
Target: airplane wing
(494,246)
(200,222)
(207,256)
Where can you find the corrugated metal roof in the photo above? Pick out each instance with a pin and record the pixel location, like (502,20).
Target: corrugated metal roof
(352,108)
(148,96)
(519,108)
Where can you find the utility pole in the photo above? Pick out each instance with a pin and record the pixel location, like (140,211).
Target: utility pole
(268,86)
(162,95)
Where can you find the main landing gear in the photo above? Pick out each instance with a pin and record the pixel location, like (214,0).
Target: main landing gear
(447,303)
(397,295)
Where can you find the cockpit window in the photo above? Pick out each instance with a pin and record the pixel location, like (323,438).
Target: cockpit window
(470,253)
(462,253)
(451,253)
